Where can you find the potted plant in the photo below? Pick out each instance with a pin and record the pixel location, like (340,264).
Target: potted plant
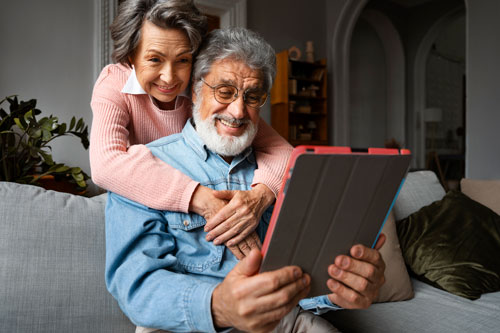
(25,151)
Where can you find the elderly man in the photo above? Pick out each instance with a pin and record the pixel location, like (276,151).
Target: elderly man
(159,265)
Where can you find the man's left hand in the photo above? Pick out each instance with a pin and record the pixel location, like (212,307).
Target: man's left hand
(355,281)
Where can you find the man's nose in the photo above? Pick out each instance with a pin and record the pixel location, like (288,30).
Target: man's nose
(167,73)
(237,108)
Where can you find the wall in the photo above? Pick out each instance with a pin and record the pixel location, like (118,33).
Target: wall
(483,90)
(368,88)
(284,23)
(47,54)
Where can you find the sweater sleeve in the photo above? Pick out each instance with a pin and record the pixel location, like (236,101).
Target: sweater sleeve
(272,152)
(131,172)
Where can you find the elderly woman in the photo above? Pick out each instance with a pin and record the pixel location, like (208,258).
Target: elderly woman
(139,99)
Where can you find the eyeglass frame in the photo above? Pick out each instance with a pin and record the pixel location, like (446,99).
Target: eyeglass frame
(235,96)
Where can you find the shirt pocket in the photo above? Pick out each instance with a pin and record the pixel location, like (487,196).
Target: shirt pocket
(194,254)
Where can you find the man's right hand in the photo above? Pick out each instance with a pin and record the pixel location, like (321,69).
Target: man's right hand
(257,302)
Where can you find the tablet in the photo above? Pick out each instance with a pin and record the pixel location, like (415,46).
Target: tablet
(331,199)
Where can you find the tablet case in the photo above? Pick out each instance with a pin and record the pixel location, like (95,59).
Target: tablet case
(331,199)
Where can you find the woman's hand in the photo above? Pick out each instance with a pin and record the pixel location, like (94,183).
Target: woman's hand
(205,203)
(210,203)
(236,220)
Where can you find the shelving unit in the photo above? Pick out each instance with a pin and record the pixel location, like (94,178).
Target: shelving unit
(299,101)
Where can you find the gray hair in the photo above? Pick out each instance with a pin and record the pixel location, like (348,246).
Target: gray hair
(176,14)
(239,44)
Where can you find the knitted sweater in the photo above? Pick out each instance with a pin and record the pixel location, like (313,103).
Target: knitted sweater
(120,162)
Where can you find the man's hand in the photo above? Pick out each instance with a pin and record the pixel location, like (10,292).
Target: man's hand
(355,281)
(240,216)
(243,248)
(257,302)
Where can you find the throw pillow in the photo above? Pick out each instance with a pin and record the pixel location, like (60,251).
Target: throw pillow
(453,244)
(486,192)
(421,188)
(397,286)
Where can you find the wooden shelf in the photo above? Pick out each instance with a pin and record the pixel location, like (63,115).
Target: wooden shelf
(295,115)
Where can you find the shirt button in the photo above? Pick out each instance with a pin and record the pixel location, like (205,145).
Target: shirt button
(186,223)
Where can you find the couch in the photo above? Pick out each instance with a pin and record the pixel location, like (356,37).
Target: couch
(52,256)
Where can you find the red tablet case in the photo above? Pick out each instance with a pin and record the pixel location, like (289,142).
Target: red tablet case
(331,199)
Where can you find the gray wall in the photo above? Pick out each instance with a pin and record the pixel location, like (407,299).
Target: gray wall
(483,90)
(47,54)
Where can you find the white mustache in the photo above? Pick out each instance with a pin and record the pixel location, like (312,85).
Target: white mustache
(231,120)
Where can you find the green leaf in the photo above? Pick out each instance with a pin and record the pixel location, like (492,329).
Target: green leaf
(62,129)
(76,170)
(72,123)
(46,135)
(79,124)
(47,158)
(78,177)
(59,168)
(18,123)
(36,133)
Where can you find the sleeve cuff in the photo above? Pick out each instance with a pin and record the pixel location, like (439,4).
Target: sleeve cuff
(318,305)
(198,302)
(187,195)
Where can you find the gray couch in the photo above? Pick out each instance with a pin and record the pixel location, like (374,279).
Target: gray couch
(52,257)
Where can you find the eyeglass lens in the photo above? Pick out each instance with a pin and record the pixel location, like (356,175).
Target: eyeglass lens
(227,94)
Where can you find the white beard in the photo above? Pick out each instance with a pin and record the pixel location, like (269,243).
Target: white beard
(221,144)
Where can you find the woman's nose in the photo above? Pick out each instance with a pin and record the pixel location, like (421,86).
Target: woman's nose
(167,73)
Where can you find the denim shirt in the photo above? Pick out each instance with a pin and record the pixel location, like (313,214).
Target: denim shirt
(159,266)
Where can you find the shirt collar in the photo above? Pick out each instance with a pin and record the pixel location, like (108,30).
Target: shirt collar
(132,86)
(196,143)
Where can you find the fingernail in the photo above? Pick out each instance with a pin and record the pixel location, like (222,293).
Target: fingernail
(305,280)
(208,237)
(335,271)
(344,262)
(334,284)
(296,273)
(216,242)
(358,252)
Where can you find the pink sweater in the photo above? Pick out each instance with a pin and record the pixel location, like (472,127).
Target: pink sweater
(123,123)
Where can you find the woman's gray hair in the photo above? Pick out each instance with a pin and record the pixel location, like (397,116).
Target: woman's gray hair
(238,44)
(176,14)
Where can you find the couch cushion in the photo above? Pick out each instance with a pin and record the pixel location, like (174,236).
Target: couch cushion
(431,311)
(397,286)
(420,189)
(52,255)
(486,192)
(454,244)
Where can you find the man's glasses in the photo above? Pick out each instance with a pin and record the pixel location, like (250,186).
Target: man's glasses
(226,94)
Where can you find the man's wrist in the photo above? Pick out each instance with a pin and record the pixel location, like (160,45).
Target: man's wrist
(218,317)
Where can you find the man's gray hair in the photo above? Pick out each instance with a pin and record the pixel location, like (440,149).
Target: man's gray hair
(238,44)
(176,14)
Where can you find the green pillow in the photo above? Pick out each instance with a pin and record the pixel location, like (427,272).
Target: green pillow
(454,244)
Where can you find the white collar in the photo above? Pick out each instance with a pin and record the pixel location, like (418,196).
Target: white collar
(133,86)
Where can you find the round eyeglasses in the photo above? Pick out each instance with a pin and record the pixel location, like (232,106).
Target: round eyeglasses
(226,94)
